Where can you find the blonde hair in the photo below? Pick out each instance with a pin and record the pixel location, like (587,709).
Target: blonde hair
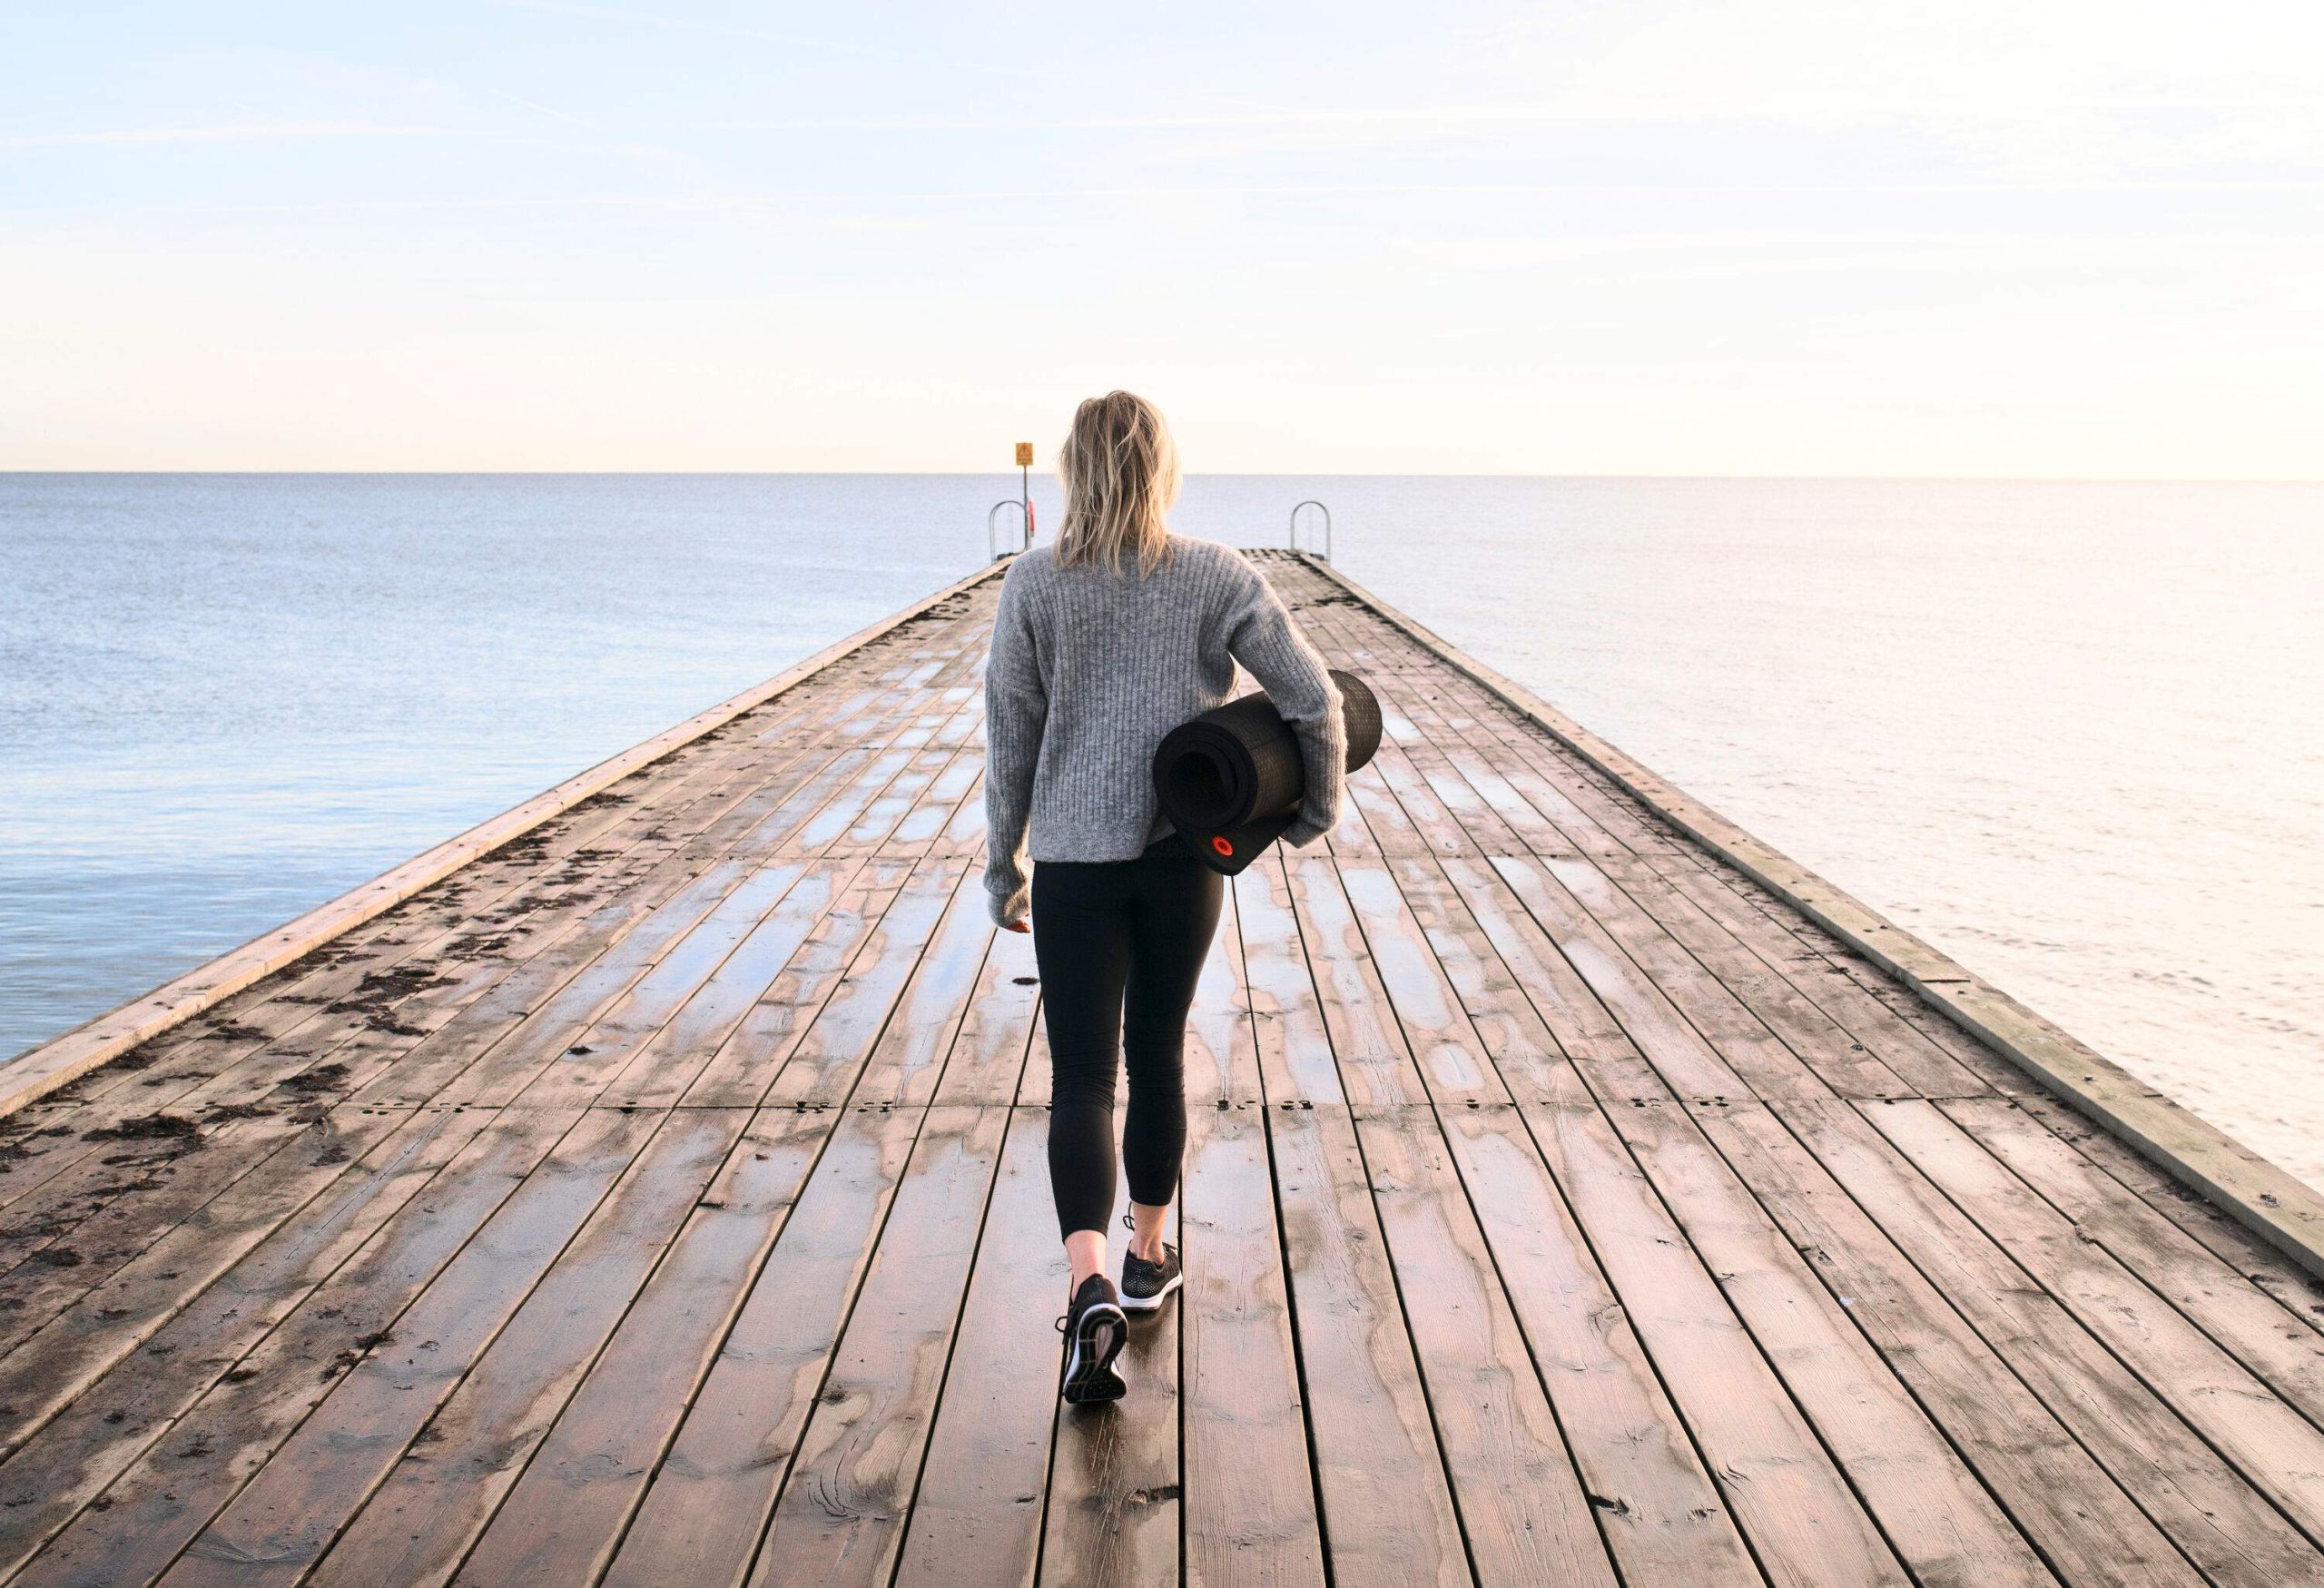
(1120,470)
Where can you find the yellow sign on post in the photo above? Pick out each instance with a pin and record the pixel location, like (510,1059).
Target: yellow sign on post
(1024,455)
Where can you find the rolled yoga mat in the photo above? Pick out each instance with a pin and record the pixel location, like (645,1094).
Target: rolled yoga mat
(1232,779)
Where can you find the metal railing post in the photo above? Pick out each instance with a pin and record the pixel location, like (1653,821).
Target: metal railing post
(1326,552)
(1024,528)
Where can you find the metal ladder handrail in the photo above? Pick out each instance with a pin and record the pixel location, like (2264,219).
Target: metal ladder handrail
(1326,552)
(1024,528)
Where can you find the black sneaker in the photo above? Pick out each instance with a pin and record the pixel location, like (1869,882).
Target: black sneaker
(1146,1286)
(1096,1330)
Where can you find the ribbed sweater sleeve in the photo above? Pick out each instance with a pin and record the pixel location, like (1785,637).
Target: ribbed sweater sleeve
(1261,635)
(1016,707)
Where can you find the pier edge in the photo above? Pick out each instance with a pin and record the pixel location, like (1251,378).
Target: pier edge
(2266,1199)
(65,1058)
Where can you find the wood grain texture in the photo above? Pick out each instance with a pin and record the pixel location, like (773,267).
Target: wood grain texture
(660,1197)
(63,1058)
(2282,1209)
(976,1516)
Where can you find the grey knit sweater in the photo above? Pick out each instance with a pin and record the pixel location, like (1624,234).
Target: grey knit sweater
(1090,669)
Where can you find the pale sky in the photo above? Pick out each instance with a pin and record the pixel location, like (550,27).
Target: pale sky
(2078,237)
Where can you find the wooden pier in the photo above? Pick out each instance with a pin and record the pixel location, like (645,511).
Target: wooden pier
(649,1189)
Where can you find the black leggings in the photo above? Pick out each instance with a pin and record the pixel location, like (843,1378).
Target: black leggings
(1110,934)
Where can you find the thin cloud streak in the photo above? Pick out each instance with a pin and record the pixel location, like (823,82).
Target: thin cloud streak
(1573,113)
(764,35)
(241,133)
(712,203)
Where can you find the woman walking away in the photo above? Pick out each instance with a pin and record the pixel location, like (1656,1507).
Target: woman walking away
(1102,645)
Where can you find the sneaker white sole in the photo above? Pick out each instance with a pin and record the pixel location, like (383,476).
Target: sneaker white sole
(1092,1375)
(1154,1302)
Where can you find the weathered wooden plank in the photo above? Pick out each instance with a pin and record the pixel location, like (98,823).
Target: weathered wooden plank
(1663,1518)
(565,1512)
(1776,1042)
(1495,782)
(1496,819)
(1931,1508)
(976,1516)
(739,1071)
(1527,783)
(1387,1507)
(59,1468)
(2277,1449)
(308,1007)
(1440,831)
(1522,1509)
(1494,1421)
(928,828)
(1250,1503)
(822,1067)
(477,1064)
(2057,1492)
(171,1491)
(658,1073)
(2230,1241)
(706,1503)
(1481,821)
(412,1073)
(1396,979)
(674,960)
(965,832)
(1352,835)
(290,1509)
(2207,1508)
(937,775)
(1779,971)
(911,1058)
(988,1058)
(1905,1050)
(840,1514)
(1523,1052)
(2265,1336)
(1250,1497)
(112,1319)
(558,998)
(1804,1523)
(416,1526)
(562,1056)
(1590,815)
(432,993)
(840,1517)
(1296,1061)
(1660,1030)
(1375,1064)
(218,1103)
(1638,1467)
(1370,799)
(1388,1515)
(1897,1462)
(1584,1029)
(135,1195)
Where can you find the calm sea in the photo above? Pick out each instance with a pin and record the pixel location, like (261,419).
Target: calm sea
(2073,734)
